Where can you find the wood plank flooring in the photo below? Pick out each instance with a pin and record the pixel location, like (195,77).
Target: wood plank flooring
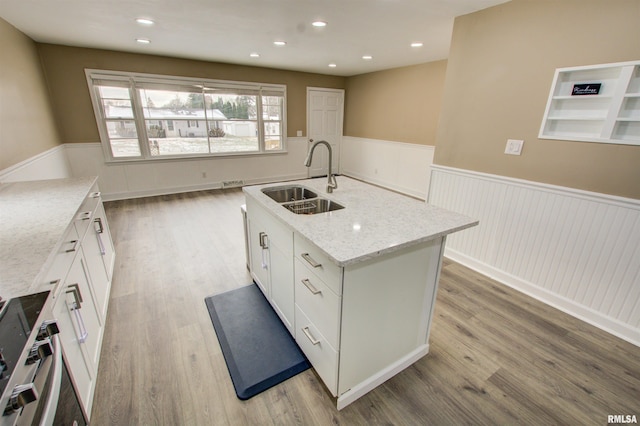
(497,356)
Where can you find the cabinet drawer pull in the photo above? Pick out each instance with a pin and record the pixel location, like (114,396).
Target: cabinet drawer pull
(85,215)
(307,333)
(95,194)
(99,230)
(310,286)
(310,260)
(81,327)
(264,240)
(77,296)
(75,246)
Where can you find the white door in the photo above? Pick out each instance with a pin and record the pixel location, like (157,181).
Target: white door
(325,111)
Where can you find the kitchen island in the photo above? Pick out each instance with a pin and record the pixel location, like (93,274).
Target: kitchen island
(356,286)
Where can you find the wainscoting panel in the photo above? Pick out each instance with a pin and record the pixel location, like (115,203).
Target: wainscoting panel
(576,250)
(402,167)
(131,180)
(50,164)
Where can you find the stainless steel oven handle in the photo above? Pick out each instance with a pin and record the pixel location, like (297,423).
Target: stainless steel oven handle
(51,404)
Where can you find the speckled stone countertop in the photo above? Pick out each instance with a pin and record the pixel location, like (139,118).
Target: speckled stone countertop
(33,219)
(374,221)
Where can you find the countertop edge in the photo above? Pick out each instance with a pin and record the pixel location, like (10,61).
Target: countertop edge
(254,191)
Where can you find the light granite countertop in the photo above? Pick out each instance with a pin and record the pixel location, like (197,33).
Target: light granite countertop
(374,222)
(33,219)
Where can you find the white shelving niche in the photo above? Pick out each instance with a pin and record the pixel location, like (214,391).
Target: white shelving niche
(610,116)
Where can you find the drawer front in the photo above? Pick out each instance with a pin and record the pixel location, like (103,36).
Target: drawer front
(318,302)
(321,355)
(59,268)
(319,263)
(86,211)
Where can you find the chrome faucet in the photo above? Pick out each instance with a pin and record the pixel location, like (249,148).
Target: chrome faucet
(331,179)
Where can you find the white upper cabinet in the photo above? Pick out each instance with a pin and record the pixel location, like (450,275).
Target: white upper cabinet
(598,103)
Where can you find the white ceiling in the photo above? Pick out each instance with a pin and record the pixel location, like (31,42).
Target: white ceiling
(230,30)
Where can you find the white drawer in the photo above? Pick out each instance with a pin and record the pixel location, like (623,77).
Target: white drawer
(61,263)
(321,355)
(319,304)
(84,216)
(312,257)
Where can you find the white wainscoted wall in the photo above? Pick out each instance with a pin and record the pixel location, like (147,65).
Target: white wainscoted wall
(402,167)
(51,164)
(575,250)
(130,180)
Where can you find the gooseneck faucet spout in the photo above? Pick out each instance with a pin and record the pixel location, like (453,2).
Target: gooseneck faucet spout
(331,179)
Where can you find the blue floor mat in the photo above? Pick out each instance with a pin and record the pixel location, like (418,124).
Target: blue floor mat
(258,349)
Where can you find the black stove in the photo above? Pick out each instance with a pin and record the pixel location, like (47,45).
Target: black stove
(18,317)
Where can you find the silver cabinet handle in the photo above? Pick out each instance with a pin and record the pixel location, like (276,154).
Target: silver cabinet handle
(75,246)
(95,194)
(310,260)
(81,327)
(84,215)
(75,308)
(98,221)
(75,290)
(310,286)
(307,333)
(99,230)
(264,240)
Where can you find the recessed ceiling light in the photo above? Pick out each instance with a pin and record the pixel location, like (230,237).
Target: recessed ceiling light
(254,55)
(144,21)
(332,65)
(367,57)
(416,44)
(143,40)
(319,24)
(280,43)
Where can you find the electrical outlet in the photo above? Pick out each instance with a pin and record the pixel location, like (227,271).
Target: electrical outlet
(514,147)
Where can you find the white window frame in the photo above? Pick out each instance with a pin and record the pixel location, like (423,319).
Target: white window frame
(133,81)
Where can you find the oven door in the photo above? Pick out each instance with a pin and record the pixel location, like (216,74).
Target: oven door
(58,403)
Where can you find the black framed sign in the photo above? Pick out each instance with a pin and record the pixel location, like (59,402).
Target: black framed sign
(586,89)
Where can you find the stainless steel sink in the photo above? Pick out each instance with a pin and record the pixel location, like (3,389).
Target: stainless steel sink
(313,206)
(284,194)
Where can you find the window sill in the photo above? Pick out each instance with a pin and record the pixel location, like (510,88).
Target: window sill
(174,158)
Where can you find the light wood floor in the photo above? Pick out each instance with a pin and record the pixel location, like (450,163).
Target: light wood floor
(497,357)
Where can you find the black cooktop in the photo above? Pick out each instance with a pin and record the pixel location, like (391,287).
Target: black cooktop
(17,318)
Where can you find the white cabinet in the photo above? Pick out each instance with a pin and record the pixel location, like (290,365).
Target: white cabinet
(271,260)
(80,281)
(599,103)
(99,255)
(80,331)
(362,324)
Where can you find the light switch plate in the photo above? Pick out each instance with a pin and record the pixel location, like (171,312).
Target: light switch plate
(514,147)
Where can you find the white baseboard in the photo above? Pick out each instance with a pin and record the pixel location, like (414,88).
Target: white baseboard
(575,250)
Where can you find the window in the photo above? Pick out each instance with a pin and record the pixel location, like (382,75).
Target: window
(144,116)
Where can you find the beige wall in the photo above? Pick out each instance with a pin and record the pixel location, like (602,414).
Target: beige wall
(64,67)
(26,122)
(401,104)
(499,73)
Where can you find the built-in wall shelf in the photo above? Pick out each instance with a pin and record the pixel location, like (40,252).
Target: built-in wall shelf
(597,103)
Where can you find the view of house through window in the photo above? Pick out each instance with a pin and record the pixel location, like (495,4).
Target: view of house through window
(142,118)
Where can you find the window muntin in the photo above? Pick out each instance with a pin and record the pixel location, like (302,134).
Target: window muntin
(143,117)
